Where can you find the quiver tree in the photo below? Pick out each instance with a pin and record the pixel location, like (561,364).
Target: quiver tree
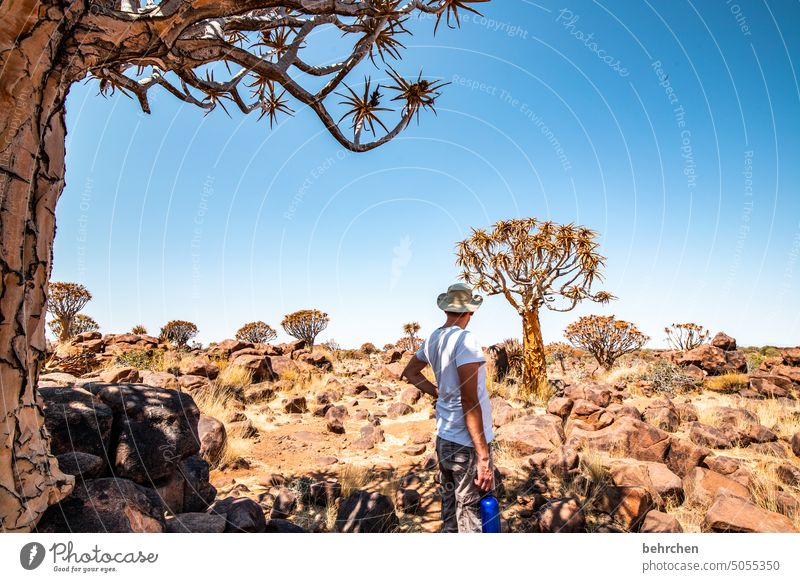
(369,348)
(305,325)
(605,337)
(686,336)
(533,265)
(559,351)
(256,332)
(411,329)
(80,324)
(247,55)
(178,332)
(64,301)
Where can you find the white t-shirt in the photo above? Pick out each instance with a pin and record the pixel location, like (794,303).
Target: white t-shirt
(445,350)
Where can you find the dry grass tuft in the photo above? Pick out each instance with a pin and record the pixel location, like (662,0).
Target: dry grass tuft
(353,478)
(234,378)
(726,383)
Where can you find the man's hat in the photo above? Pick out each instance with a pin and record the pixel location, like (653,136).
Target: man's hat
(459,299)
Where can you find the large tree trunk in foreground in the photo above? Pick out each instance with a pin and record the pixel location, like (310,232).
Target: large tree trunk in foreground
(534,366)
(32,93)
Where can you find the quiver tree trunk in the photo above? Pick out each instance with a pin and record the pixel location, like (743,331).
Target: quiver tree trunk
(534,366)
(33,88)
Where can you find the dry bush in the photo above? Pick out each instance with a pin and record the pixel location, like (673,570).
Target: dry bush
(139,329)
(352,478)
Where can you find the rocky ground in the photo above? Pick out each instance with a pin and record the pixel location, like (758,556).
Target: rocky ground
(251,437)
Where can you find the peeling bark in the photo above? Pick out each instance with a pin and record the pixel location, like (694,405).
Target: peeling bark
(32,132)
(534,375)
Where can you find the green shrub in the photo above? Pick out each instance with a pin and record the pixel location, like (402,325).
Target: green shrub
(754,360)
(142,359)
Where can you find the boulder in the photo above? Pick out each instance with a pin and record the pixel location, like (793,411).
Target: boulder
(723,342)
(283,526)
(335,416)
(105,505)
(627,437)
(56,380)
(393,355)
(703,486)
(391,371)
(532,434)
(260,392)
(562,460)
(284,504)
(193,384)
(695,373)
(318,360)
(683,456)
(283,365)
(196,523)
(735,362)
(788,474)
(159,379)
(410,395)
(796,444)
(241,515)
(119,374)
(627,505)
(76,421)
(708,358)
(722,464)
(364,512)
(559,407)
(791,372)
(156,429)
(212,437)
(597,393)
(295,405)
(662,414)
(711,437)
(198,492)
(656,478)
(324,493)
(260,366)
(200,366)
(81,465)
(791,356)
(408,501)
(562,516)
(730,513)
(660,522)
(226,347)
(399,409)
(771,385)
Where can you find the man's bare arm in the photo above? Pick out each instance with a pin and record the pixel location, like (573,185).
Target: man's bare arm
(473,417)
(413,373)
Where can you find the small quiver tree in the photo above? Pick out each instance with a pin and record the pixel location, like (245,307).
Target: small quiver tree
(305,325)
(64,301)
(256,332)
(560,351)
(686,336)
(605,337)
(178,332)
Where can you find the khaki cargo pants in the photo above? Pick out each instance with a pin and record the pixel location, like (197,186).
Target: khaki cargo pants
(461,498)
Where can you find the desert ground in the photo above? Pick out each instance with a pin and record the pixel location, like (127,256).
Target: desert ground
(280,438)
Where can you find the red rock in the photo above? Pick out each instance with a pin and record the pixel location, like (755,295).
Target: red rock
(734,514)
(295,405)
(399,409)
(659,481)
(662,414)
(532,434)
(503,413)
(683,456)
(723,465)
(796,444)
(723,342)
(709,436)
(200,366)
(562,516)
(708,358)
(260,366)
(791,356)
(771,385)
(559,407)
(703,486)
(627,505)
(791,372)
(659,522)
(626,436)
(597,393)
(410,395)
(120,375)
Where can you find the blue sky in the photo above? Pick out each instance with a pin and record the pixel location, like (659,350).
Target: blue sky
(671,128)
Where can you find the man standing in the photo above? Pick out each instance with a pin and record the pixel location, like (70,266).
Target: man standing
(463,412)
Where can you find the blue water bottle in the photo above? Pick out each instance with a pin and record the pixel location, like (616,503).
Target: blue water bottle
(490,514)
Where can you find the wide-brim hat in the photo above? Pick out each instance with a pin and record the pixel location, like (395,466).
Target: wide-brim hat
(459,299)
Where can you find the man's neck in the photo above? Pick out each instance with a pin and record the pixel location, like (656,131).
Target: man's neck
(456,321)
